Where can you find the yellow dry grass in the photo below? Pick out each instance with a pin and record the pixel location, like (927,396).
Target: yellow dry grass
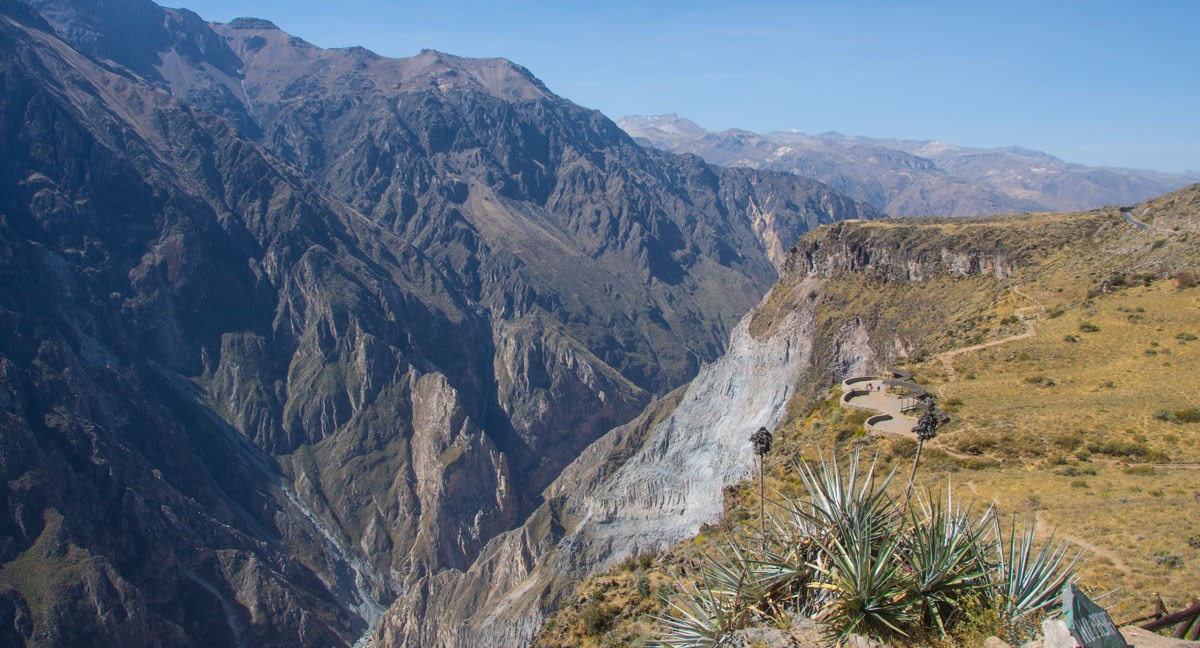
(1074,427)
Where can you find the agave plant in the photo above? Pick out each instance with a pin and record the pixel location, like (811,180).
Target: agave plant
(858,566)
(863,571)
(853,499)
(865,562)
(783,563)
(697,618)
(946,560)
(1027,579)
(723,600)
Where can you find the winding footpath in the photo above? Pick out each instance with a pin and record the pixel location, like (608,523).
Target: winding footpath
(947,357)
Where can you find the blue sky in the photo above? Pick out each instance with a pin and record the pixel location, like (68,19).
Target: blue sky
(1104,83)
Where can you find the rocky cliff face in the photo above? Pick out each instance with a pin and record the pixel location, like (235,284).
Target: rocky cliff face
(915,178)
(644,485)
(854,298)
(288,331)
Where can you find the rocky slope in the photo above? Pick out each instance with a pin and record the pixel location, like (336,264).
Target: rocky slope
(289,331)
(1071,335)
(855,297)
(915,178)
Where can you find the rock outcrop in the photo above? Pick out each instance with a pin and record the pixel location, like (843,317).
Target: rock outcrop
(643,486)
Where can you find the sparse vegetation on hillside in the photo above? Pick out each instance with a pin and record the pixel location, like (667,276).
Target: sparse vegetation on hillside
(1108,455)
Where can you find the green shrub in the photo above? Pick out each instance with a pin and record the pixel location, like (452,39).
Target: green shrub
(597,617)
(1069,440)
(1187,415)
(642,585)
(1168,560)
(1125,450)
(1088,327)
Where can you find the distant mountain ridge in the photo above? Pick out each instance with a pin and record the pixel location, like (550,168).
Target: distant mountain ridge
(914,178)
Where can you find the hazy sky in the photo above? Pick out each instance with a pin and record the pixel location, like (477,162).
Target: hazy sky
(1104,83)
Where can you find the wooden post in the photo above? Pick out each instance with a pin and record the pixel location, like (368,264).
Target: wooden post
(1182,630)
(1172,619)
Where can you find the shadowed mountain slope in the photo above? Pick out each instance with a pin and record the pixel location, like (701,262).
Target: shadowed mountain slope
(287,330)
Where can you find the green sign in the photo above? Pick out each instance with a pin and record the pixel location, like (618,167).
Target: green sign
(1089,623)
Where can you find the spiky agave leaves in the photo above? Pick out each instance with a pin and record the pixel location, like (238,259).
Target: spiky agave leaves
(841,500)
(946,559)
(1027,579)
(696,618)
(783,561)
(866,563)
(858,565)
(728,588)
(862,571)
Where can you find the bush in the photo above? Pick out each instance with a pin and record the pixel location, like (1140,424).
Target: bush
(597,617)
(973,443)
(1125,450)
(1088,327)
(1186,279)
(1168,560)
(1187,415)
(978,463)
(1070,338)
(1069,441)
(1186,337)
(643,586)
(1191,415)
(903,448)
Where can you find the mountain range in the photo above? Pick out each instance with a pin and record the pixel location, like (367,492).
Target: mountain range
(915,178)
(288,331)
(316,347)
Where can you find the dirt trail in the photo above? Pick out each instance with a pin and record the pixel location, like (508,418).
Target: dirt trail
(947,357)
(1111,556)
